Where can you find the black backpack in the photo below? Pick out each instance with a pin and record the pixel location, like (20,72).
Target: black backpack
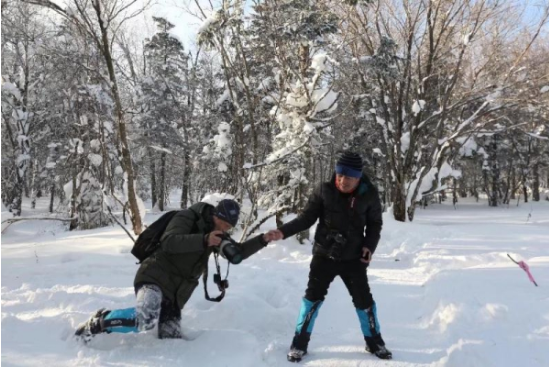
(149,240)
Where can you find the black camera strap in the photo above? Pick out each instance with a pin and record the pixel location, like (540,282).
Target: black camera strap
(222,285)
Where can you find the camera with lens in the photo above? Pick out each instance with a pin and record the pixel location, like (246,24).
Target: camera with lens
(338,242)
(230,249)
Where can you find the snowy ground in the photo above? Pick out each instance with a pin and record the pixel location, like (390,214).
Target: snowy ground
(447,296)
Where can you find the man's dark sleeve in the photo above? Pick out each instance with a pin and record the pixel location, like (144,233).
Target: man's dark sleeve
(252,246)
(374,222)
(308,217)
(177,237)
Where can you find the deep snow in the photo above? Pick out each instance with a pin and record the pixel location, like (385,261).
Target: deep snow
(447,295)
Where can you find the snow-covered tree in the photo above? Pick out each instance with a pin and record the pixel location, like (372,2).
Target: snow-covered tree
(426,85)
(163,101)
(101,20)
(22,35)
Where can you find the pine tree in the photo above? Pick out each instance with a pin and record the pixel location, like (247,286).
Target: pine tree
(163,100)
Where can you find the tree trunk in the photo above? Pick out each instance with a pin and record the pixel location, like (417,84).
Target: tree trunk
(162,195)
(303,235)
(399,203)
(462,188)
(28,181)
(74,223)
(474,189)
(153,178)
(186,181)
(52,197)
(494,170)
(454,192)
(126,157)
(411,210)
(21,169)
(33,183)
(17,201)
(536,183)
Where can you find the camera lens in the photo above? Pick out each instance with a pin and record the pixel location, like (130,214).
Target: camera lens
(231,252)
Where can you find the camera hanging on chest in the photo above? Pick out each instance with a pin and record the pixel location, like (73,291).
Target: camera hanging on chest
(230,250)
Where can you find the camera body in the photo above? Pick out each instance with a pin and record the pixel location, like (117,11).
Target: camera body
(229,249)
(338,242)
(221,283)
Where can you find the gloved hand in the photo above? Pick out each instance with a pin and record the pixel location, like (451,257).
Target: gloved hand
(213,238)
(366,255)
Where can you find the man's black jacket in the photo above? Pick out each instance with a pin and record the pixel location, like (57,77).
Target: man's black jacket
(357,216)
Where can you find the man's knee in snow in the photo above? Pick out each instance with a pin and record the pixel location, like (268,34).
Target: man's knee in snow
(149,300)
(144,324)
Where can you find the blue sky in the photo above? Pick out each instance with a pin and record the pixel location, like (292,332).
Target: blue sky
(186,25)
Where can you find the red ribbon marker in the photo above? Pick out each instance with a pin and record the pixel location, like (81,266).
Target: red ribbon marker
(524,267)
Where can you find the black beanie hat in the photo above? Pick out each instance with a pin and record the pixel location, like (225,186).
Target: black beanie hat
(228,210)
(349,164)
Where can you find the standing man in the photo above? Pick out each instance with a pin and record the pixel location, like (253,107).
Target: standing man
(349,213)
(166,280)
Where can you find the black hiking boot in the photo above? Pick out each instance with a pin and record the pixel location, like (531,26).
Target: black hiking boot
(376,346)
(299,346)
(93,326)
(295,355)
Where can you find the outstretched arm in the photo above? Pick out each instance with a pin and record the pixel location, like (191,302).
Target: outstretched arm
(253,245)
(307,218)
